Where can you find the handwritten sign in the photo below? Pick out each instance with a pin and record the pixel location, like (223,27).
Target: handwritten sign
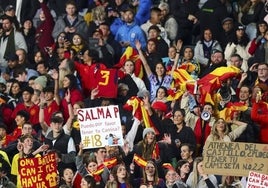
(39,172)
(100,126)
(257,180)
(235,158)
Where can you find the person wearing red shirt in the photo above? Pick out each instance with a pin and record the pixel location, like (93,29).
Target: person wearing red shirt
(259,115)
(70,85)
(29,107)
(5,139)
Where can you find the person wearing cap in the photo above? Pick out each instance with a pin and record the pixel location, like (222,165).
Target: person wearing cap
(70,23)
(227,32)
(149,149)
(130,32)
(155,19)
(10,11)
(12,41)
(57,139)
(12,63)
(29,107)
(238,45)
(162,47)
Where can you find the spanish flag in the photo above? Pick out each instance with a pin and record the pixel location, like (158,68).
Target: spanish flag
(99,170)
(138,111)
(230,108)
(139,161)
(132,54)
(212,82)
(182,82)
(110,163)
(168,166)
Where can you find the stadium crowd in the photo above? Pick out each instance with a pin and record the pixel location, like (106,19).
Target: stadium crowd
(198,70)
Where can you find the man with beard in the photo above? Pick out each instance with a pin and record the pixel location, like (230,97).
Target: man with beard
(9,41)
(130,32)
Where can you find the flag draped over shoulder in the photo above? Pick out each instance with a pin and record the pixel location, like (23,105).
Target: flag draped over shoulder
(230,108)
(139,161)
(182,82)
(135,104)
(132,54)
(209,84)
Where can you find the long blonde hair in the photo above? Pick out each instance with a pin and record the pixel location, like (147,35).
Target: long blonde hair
(214,132)
(195,176)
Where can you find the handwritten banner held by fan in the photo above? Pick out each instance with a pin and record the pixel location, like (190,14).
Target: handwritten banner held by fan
(235,158)
(100,126)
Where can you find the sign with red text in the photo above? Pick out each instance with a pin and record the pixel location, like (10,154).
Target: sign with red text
(39,172)
(100,126)
(257,180)
(235,158)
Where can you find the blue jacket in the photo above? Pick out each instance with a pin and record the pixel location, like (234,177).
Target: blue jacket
(143,12)
(117,23)
(131,33)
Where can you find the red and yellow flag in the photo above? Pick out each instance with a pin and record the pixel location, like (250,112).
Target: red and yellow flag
(168,166)
(182,82)
(132,54)
(230,108)
(110,163)
(139,161)
(136,105)
(212,82)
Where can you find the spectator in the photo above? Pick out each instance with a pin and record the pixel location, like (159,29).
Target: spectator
(70,23)
(70,86)
(205,47)
(211,16)
(57,139)
(98,17)
(11,42)
(198,178)
(155,19)
(238,45)
(252,13)
(220,131)
(44,30)
(130,32)
(162,46)
(29,107)
(228,31)
(168,22)
(186,15)
(262,26)
(29,31)
(158,79)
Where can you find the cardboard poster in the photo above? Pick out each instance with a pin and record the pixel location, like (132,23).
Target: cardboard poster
(100,126)
(235,158)
(39,172)
(257,180)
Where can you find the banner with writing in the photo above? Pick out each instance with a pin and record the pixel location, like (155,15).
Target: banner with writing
(235,158)
(257,180)
(100,126)
(39,172)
